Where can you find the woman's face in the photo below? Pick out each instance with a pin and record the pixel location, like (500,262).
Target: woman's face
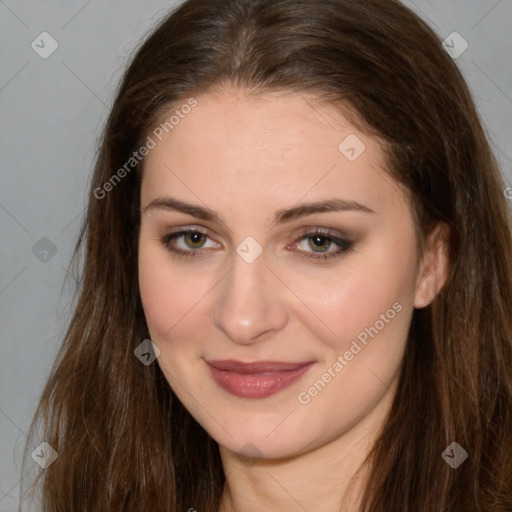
(324,317)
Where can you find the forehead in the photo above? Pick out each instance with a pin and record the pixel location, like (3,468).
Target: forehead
(259,123)
(275,146)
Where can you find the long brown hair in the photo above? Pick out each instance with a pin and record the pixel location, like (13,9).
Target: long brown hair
(124,441)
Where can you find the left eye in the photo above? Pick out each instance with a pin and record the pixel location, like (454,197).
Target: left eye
(195,239)
(321,240)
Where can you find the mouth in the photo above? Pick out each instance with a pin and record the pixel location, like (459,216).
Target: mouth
(258,379)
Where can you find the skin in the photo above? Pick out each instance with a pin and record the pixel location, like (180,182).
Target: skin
(245,159)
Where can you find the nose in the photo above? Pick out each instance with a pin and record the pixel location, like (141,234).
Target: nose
(250,307)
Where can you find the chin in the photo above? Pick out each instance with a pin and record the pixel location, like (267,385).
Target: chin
(263,440)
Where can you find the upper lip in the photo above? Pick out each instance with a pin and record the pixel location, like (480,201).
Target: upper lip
(256,366)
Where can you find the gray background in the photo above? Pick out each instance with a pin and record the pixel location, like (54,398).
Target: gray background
(52,111)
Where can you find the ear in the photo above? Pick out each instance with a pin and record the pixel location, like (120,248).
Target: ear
(434,266)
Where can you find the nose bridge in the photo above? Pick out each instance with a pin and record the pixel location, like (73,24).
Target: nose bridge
(249,304)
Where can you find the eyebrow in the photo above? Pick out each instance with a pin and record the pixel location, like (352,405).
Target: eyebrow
(281,216)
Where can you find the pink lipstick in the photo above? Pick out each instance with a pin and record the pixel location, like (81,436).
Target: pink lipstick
(258,379)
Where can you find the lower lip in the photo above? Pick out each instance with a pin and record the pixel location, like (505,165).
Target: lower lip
(257,385)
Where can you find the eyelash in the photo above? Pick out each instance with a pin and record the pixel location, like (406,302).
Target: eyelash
(343,244)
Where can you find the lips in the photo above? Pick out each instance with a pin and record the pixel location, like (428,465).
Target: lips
(257,379)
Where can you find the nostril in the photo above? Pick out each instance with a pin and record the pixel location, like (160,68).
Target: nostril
(264,335)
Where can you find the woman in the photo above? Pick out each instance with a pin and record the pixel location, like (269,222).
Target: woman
(297,283)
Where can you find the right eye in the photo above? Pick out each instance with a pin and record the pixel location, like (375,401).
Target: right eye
(192,238)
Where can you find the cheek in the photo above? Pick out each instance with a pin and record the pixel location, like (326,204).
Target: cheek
(352,299)
(165,298)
